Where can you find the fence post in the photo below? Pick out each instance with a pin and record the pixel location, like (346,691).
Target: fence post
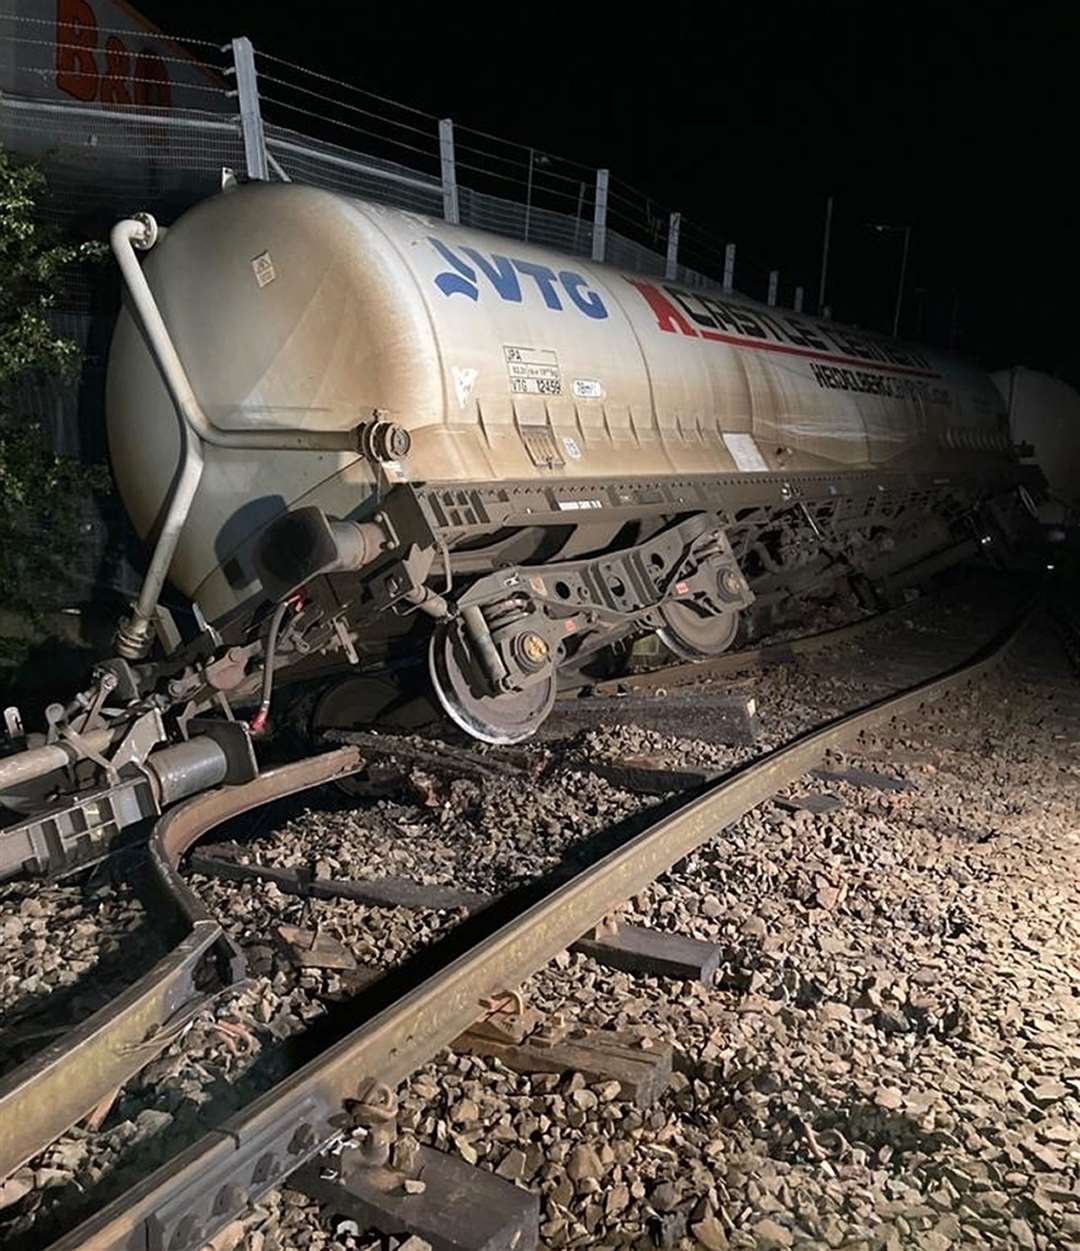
(577,215)
(821,307)
(729,267)
(247,96)
(798,299)
(672,264)
(774,282)
(599,234)
(449,171)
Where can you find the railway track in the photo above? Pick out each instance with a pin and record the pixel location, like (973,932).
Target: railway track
(215,1179)
(55,1090)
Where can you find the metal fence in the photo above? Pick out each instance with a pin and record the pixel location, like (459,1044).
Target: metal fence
(253,117)
(254,113)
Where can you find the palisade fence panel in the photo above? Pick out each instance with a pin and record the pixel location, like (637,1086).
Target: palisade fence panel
(104,163)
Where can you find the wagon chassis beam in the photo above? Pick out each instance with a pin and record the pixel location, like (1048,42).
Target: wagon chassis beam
(456,512)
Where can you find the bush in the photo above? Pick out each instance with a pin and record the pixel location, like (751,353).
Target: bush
(45,498)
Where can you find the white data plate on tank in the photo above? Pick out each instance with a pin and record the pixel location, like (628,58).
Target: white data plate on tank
(533,371)
(745,454)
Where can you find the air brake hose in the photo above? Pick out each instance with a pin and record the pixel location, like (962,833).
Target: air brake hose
(258,721)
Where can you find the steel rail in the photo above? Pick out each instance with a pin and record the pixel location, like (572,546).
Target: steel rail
(61,1084)
(195,1195)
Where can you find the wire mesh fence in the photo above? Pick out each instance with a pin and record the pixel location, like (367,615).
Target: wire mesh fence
(101,161)
(332,167)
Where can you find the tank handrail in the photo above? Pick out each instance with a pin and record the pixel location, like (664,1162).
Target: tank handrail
(141,232)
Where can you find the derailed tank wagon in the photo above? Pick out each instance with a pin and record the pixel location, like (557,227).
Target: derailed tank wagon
(351,433)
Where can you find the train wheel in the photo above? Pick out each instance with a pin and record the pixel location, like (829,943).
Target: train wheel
(508,717)
(693,634)
(373,700)
(366,700)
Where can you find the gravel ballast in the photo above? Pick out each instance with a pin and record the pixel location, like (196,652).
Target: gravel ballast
(890,1056)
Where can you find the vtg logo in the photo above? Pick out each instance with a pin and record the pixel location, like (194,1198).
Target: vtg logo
(504,273)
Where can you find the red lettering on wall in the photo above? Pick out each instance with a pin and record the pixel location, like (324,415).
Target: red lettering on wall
(114,88)
(144,81)
(76,42)
(152,85)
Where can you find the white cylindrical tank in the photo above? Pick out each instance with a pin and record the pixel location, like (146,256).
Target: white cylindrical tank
(506,362)
(1045,413)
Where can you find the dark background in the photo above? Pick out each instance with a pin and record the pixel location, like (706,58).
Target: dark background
(960,120)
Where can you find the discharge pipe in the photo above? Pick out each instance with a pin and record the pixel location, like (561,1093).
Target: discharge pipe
(141,232)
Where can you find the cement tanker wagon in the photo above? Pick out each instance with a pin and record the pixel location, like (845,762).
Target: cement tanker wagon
(407,427)
(354,435)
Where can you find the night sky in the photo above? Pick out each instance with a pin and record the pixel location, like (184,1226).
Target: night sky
(960,120)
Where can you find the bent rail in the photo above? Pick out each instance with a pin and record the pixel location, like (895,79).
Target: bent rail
(56,1088)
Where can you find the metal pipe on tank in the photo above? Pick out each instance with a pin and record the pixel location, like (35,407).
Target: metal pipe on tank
(142,232)
(133,638)
(133,635)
